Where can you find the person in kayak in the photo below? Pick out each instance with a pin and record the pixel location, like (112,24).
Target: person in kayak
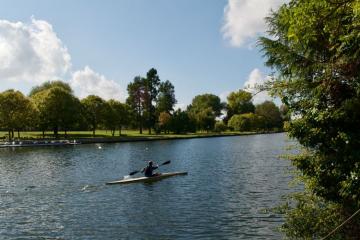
(148,170)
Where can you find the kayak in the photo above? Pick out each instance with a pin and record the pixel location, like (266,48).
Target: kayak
(147,179)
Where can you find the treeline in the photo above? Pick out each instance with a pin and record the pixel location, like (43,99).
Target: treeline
(53,106)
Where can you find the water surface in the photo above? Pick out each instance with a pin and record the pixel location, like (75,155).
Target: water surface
(60,192)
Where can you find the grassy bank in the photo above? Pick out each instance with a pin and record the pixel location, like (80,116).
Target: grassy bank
(126,135)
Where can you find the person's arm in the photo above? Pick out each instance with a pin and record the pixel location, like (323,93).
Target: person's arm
(155,167)
(143,170)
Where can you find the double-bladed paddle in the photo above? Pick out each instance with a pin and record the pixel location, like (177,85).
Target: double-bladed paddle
(135,172)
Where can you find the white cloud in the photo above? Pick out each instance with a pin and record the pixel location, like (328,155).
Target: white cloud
(182,106)
(87,82)
(256,79)
(245,19)
(31,52)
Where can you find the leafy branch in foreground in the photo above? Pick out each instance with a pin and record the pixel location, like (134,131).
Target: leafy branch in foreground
(315,50)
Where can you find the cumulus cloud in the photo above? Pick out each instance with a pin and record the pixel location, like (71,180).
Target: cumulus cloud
(245,19)
(31,52)
(256,79)
(88,82)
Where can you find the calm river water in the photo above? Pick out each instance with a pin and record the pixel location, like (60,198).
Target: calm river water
(60,192)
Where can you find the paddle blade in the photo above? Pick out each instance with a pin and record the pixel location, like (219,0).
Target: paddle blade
(134,172)
(164,163)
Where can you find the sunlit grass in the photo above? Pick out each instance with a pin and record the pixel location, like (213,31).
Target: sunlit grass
(107,134)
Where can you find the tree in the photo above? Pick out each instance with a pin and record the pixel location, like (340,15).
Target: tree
(50,84)
(58,109)
(94,110)
(271,114)
(238,103)
(315,49)
(181,122)
(116,116)
(220,126)
(164,121)
(151,83)
(245,122)
(136,99)
(204,109)
(166,99)
(16,112)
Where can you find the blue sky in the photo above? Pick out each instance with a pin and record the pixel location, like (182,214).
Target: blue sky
(100,46)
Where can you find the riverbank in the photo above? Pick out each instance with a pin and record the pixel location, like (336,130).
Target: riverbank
(74,139)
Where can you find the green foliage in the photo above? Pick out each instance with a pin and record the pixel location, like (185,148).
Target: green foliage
(314,218)
(245,122)
(136,99)
(94,111)
(166,99)
(238,103)
(315,49)
(204,109)
(220,126)
(271,115)
(151,84)
(116,115)
(148,97)
(181,122)
(50,84)
(164,121)
(57,107)
(16,111)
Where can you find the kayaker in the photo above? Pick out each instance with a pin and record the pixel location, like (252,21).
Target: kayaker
(148,170)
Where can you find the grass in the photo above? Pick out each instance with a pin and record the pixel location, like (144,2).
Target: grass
(131,134)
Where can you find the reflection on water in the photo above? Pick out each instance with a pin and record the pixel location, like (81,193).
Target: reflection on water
(59,192)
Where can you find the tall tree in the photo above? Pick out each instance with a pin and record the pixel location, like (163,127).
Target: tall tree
(238,103)
(16,112)
(166,98)
(116,116)
(271,114)
(204,109)
(94,110)
(315,49)
(58,109)
(180,122)
(151,83)
(136,99)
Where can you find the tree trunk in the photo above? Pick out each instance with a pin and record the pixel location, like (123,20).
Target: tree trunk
(18,134)
(113,132)
(120,131)
(140,125)
(56,131)
(65,133)
(43,133)
(93,132)
(12,134)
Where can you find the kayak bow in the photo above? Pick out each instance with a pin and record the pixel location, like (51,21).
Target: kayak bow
(147,179)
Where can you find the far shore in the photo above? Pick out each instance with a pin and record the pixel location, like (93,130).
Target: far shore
(74,138)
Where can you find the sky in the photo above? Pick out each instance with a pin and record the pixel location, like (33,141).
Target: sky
(98,47)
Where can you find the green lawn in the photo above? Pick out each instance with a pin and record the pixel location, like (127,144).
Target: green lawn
(107,134)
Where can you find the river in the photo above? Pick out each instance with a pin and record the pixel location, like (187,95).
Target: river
(60,192)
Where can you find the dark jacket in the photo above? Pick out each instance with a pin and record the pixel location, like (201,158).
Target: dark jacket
(148,170)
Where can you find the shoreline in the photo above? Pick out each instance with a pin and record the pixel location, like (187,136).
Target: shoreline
(119,139)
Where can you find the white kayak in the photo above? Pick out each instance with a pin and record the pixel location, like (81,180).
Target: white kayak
(147,179)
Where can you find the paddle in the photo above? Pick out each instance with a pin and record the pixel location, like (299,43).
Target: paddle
(135,172)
